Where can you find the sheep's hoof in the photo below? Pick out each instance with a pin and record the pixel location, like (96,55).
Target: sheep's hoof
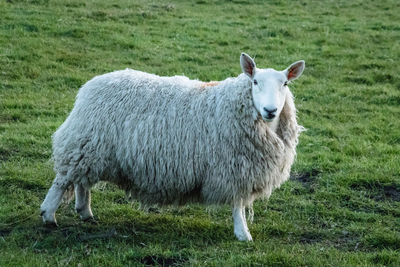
(90,220)
(49,221)
(244,236)
(51,225)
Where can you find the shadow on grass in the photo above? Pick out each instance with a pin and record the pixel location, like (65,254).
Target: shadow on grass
(159,260)
(23,184)
(153,230)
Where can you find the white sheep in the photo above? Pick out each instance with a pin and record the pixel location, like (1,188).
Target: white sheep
(171,140)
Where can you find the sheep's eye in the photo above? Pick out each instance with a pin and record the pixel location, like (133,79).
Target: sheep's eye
(285,84)
(255,82)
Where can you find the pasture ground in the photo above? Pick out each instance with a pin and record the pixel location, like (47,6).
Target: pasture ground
(342,204)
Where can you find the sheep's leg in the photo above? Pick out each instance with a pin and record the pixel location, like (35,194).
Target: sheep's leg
(239,223)
(53,200)
(250,213)
(82,202)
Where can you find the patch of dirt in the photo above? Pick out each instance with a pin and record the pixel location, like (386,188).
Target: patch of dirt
(343,240)
(4,154)
(392,192)
(311,237)
(6,118)
(347,241)
(378,191)
(306,178)
(5,232)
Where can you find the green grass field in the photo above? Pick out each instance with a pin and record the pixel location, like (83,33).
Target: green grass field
(342,204)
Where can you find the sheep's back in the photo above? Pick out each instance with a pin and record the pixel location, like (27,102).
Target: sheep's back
(140,129)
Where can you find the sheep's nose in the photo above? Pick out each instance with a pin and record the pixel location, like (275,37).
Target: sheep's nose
(271,110)
(270,113)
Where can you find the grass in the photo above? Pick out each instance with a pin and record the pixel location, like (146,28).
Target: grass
(342,205)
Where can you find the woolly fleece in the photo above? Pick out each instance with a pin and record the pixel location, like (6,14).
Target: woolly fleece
(171,140)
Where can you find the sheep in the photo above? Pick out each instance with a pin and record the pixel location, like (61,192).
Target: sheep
(172,140)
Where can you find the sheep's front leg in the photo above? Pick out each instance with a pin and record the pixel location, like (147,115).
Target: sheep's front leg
(53,200)
(239,223)
(82,202)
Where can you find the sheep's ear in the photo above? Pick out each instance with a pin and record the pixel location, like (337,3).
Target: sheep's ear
(295,70)
(248,65)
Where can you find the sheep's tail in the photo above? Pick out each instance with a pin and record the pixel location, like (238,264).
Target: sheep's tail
(68,194)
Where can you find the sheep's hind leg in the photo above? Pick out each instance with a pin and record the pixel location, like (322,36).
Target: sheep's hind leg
(82,202)
(52,200)
(239,223)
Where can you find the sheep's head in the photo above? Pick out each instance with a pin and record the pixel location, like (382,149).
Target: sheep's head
(269,87)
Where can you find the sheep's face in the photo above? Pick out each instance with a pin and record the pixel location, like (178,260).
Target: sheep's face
(269,87)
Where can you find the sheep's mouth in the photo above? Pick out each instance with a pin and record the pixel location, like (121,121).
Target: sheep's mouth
(268,118)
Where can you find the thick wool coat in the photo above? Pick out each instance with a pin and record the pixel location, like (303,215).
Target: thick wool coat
(171,140)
